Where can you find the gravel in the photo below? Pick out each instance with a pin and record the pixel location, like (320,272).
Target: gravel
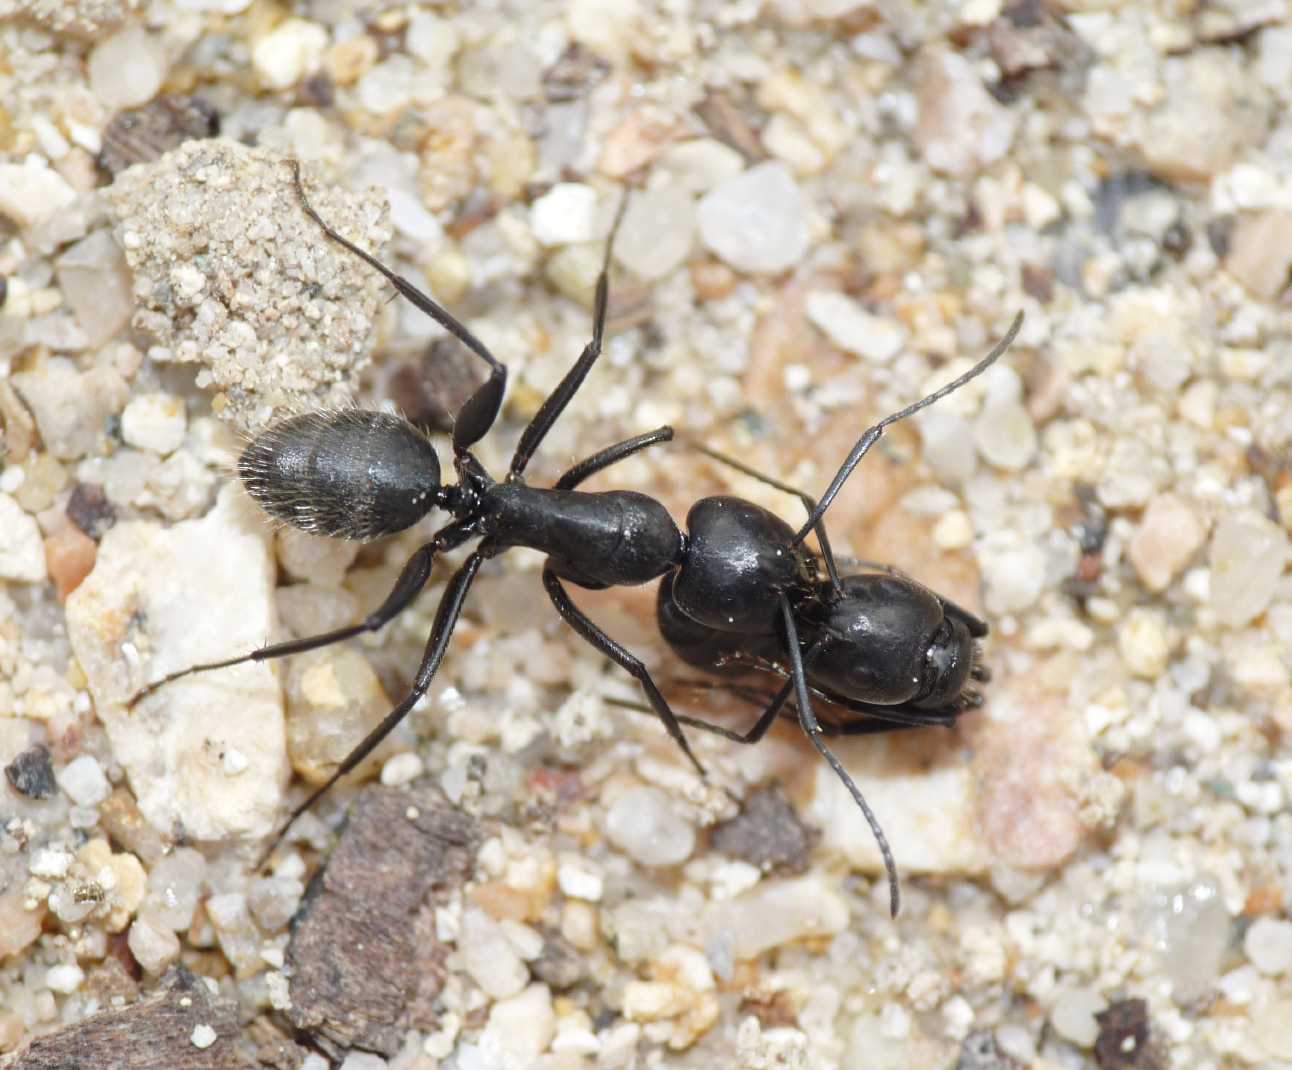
(851,327)
(756,221)
(831,207)
(22,556)
(645,824)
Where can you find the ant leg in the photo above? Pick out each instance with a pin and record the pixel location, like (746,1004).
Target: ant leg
(549,412)
(875,724)
(611,455)
(446,618)
(753,695)
(407,587)
(481,408)
(877,718)
(809,722)
(593,635)
(872,435)
(809,503)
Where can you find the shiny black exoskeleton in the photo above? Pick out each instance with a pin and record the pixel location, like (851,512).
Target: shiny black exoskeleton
(739,591)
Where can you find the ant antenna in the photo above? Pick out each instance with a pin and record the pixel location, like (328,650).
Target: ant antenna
(481,409)
(812,729)
(556,401)
(872,435)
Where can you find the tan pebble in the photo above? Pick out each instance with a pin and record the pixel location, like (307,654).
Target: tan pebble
(288,52)
(347,61)
(80,169)
(1247,555)
(1257,666)
(785,138)
(712,280)
(790,92)
(449,274)
(391,21)
(580,926)
(699,1018)
(312,557)
(1272,1028)
(1169,534)
(18,423)
(69,556)
(1027,817)
(1283,503)
(1198,404)
(512,160)
(45,477)
(636,141)
(95,856)
(573,270)
(961,127)
(120,818)
(332,703)
(121,876)
(502,902)
(19,926)
(45,300)
(649,1001)
(131,883)
(953,531)
(154,946)
(684,965)
(11,1030)
(448,152)
(1143,642)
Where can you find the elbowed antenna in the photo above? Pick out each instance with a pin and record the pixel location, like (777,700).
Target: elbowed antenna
(873,434)
(481,409)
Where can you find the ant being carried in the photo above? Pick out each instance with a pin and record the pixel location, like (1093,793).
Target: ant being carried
(739,590)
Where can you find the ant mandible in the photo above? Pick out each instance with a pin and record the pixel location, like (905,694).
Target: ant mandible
(739,591)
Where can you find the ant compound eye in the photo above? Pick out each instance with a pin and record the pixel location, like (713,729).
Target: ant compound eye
(948,662)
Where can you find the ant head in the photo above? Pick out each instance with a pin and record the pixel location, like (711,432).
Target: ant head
(739,559)
(891,641)
(951,658)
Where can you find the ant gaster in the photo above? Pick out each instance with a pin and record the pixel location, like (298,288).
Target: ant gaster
(739,590)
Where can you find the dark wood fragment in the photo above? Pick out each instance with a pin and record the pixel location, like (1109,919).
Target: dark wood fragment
(144,134)
(431,389)
(274,1049)
(364,959)
(767,833)
(154,1034)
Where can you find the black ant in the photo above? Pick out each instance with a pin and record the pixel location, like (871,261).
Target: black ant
(738,591)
